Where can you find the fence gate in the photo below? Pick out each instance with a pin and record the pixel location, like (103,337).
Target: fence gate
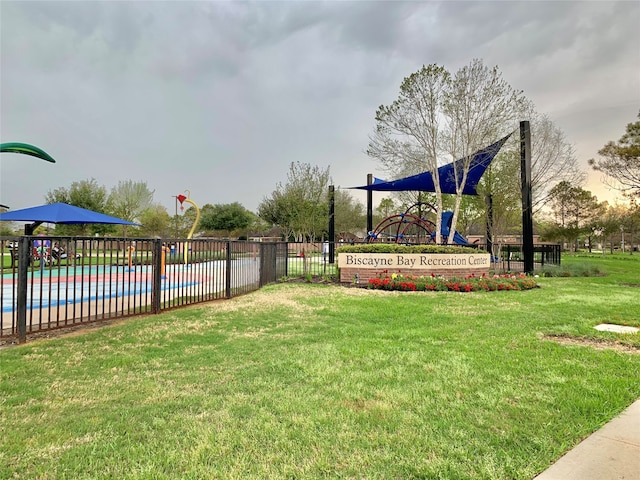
(267,263)
(273,262)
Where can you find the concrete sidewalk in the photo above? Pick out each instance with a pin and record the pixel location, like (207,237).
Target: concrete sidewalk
(611,453)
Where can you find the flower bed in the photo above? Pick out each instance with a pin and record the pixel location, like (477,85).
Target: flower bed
(469,283)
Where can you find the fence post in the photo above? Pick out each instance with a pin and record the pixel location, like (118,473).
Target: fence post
(261,268)
(489,200)
(286,259)
(228,271)
(527,202)
(332,227)
(156,278)
(24,256)
(283,253)
(369,204)
(274,262)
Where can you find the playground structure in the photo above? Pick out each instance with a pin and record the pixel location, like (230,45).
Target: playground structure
(416,225)
(26,149)
(182,199)
(448,175)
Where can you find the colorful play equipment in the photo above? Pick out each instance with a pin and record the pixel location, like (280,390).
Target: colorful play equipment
(416,225)
(182,199)
(445,230)
(163,261)
(26,149)
(131,251)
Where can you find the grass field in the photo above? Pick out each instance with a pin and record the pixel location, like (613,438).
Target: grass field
(323,381)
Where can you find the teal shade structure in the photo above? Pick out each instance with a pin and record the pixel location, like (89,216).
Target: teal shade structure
(26,149)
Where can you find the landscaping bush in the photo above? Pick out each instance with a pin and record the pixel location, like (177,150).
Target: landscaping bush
(470,283)
(406,249)
(572,270)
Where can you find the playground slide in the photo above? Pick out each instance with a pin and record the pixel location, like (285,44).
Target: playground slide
(446,226)
(459,239)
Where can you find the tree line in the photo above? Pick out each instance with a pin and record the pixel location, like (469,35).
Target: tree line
(579,219)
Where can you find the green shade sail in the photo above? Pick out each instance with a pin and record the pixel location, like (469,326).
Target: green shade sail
(26,149)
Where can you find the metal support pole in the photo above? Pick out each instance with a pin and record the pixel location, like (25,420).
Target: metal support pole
(175,217)
(156,285)
(227,279)
(527,201)
(490,224)
(24,254)
(369,204)
(332,224)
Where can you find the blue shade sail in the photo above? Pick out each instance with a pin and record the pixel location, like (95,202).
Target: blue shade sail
(423,182)
(61,213)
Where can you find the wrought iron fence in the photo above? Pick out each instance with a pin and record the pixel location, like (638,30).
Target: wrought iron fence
(509,257)
(313,258)
(53,282)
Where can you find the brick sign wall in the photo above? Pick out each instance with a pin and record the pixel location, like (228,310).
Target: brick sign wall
(371,265)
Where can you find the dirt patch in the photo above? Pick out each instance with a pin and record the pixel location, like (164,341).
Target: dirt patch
(596,343)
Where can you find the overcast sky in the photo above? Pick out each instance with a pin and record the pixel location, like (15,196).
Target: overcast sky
(218,98)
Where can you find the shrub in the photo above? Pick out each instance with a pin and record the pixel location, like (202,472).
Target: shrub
(395,248)
(577,270)
(470,283)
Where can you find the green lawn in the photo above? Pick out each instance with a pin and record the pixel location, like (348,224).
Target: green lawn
(322,381)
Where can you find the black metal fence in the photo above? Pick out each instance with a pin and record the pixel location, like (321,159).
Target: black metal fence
(313,258)
(509,257)
(53,282)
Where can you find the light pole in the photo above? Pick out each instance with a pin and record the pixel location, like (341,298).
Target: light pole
(175,217)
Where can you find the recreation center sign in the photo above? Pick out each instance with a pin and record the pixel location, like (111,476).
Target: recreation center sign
(367,265)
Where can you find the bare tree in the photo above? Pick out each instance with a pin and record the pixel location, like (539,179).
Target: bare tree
(481,107)
(439,118)
(553,158)
(408,133)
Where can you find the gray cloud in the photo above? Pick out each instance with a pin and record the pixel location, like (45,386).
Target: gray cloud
(219,97)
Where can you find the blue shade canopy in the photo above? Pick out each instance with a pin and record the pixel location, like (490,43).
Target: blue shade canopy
(423,182)
(60,213)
